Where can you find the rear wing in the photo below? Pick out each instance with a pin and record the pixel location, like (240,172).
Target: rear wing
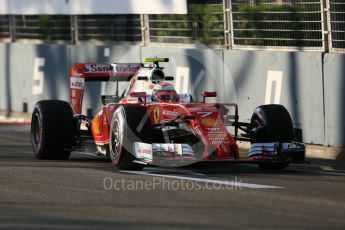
(104,72)
(82,72)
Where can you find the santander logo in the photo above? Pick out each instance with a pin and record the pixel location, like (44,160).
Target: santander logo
(91,68)
(119,68)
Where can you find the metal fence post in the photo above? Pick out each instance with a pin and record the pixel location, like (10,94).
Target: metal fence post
(12,24)
(227,34)
(325,26)
(230,25)
(329,26)
(74,29)
(145,29)
(226,25)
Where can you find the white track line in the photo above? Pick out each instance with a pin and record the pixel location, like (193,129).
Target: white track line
(218,182)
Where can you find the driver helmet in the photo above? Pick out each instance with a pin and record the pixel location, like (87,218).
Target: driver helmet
(164,92)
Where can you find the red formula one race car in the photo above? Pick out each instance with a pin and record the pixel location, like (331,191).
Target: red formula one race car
(151,124)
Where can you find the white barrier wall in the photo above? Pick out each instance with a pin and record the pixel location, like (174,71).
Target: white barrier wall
(293,79)
(36,72)
(334,84)
(31,73)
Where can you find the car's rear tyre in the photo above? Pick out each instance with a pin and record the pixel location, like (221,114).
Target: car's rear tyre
(125,129)
(273,124)
(52,129)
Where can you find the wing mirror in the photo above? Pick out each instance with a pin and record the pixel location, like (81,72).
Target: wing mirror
(137,94)
(205,94)
(169,78)
(144,78)
(106,99)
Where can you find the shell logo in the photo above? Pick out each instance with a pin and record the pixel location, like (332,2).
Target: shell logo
(209,122)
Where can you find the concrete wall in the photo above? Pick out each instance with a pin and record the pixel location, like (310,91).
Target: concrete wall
(17,76)
(334,83)
(24,66)
(307,83)
(296,83)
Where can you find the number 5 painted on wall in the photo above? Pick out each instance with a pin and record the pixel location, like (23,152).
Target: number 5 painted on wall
(277,78)
(38,75)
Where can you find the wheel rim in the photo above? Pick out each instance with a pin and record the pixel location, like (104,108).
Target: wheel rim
(36,133)
(115,140)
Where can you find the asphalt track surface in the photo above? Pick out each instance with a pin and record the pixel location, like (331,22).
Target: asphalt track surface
(87,192)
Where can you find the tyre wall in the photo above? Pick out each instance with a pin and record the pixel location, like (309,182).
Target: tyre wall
(307,83)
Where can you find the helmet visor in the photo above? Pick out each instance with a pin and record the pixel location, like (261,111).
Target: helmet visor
(167,96)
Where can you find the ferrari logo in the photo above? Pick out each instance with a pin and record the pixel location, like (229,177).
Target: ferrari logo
(156,115)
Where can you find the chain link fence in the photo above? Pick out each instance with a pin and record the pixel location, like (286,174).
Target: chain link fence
(41,27)
(108,28)
(204,24)
(234,24)
(4,28)
(71,29)
(337,16)
(294,24)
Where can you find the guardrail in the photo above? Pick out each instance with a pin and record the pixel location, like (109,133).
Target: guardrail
(235,24)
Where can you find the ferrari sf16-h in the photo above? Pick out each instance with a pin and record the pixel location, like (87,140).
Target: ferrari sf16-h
(151,124)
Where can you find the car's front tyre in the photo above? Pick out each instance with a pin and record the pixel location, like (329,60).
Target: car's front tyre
(274,125)
(124,132)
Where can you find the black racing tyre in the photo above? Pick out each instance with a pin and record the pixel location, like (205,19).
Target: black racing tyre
(52,129)
(274,122)
(107,152)
(130,123)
